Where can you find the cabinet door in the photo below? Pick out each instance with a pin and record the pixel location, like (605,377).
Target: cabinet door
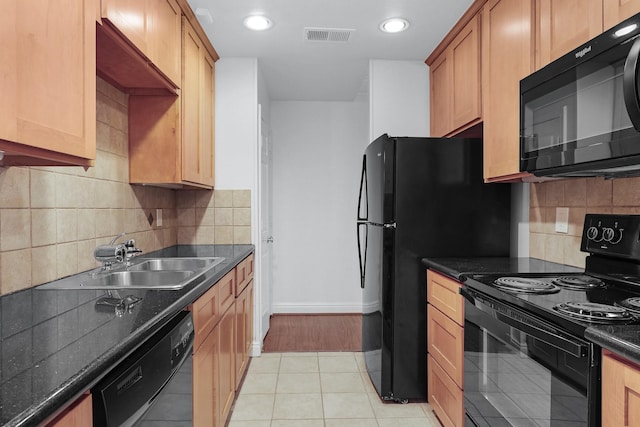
(164,37)
(616,11)
(241,310)
(130,18)
(48,82)
(445,397)
(563,25)
(446,343)
(440,83)
(465,59)
(507,57)
(78,414)
(444,294)
(206,381)
(226,364)
(620,392)
(197,109)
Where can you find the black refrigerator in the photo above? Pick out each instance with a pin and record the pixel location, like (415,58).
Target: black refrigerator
(419,197)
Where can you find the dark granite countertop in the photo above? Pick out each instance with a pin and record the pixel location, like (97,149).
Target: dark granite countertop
(458,268)
(56,344)
(621,339)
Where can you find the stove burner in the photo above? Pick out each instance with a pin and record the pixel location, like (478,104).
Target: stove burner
(632,304)
(594,312)
(525,285)
(578,282)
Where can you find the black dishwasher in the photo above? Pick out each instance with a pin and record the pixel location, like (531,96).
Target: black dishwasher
(152,386)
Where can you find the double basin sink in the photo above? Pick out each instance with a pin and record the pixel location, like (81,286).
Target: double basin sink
(142,273)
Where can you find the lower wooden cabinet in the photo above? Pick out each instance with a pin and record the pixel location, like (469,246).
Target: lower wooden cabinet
(78,414)
(206,408)
(244,330)
(226,363)
(445,345)
(620,391)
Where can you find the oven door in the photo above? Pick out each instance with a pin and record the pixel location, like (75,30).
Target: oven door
(522,371)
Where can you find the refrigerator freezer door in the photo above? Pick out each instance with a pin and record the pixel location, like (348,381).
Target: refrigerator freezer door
(379,180)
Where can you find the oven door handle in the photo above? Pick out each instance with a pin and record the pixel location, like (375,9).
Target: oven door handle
(533,326)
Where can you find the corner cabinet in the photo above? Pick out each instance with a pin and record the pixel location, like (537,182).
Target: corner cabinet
(454,76)
(620,391)
(445,346)
(48,84)
(171,138)
(222,318)
(505,61)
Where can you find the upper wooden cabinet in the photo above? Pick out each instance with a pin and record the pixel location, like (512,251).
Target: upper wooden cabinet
(616,11)
(48,84)
(563,25)
(171,138)
(507,57)
(140,45)
(455,83)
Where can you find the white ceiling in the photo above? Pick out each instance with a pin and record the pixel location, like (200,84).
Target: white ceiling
(295,69)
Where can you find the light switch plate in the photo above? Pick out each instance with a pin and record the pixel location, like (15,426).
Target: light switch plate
(158,217)
(562,220)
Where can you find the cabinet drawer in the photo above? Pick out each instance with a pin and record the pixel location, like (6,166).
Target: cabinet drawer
(244,274)
(443,293)
(445,343)
(446,399)
(227,286)
(620,392)
(206,313)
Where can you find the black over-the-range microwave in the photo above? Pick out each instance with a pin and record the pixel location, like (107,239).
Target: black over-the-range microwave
(580,115)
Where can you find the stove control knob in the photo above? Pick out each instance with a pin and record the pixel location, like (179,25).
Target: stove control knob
(595,234)
(616,235)
(607,234)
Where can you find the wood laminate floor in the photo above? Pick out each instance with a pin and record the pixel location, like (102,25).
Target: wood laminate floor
(317,332)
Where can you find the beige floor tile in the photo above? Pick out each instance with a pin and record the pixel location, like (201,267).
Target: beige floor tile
(338,363)
(406,422)
(368,385)
(299,406)
(294,364)
(258,383)
(360,362)
(347,405)
(265,423)
(268,355)
(335,353)
(352,423)
(298,383)
(341,382)
(301,354)
(264,365)
(253,407)
(297,423)
(395,410)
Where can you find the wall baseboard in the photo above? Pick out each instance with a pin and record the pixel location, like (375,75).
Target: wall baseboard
(315,308)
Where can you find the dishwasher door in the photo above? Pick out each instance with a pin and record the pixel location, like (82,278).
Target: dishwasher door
(153,386)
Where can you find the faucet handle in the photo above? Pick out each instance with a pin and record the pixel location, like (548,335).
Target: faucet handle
(115,239)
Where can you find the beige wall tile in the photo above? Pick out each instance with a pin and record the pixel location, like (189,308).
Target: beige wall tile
(223,235)
(44,264)
(86,224)
(15,270)
(223,198)
(241,235)
(572,254)
(554,248)
(67,225)
(44,226)
(536,245)
(205,199)
(43,189)
(15,229)
(626,192)
(599,192)
(67,259)
(205,235)
(575,192)
(187,217)
(223,216)
(14,187)
(241,198)
(186,199)
(205,216)
(576,220)
(536,219)
(554,193)
(537,195)
(241,216)
(86,260)
(186,236)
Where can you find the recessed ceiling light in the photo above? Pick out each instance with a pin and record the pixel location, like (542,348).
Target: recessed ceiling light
(394,25)
(257,22)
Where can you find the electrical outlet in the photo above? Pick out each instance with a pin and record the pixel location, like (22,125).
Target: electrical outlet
(158,217)
(562,220)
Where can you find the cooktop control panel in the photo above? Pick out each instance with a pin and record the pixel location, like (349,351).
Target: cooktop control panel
(612,235)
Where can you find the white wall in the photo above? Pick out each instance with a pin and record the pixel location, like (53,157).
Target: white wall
(399,98)
(236,123)
(317,155)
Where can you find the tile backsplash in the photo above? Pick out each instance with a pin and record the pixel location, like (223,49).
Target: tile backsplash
(580,196)
(51,218)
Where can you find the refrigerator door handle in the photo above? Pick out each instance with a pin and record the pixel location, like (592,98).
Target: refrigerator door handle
(362,256)
(363,185)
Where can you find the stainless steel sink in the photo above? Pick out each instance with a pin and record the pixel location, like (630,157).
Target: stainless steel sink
(175,264)
(144,273)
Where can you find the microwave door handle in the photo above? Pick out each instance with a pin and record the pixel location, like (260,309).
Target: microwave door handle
(630,84)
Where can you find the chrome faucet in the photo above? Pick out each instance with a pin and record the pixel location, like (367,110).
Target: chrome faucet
(116,254)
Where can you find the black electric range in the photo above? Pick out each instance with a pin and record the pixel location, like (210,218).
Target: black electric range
(527,361)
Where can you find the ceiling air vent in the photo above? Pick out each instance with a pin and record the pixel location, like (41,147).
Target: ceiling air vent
(335,35)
